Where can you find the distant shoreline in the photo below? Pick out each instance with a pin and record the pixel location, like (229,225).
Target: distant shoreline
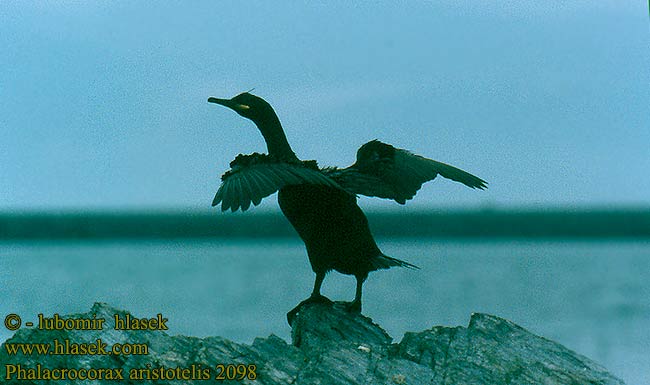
(551,223)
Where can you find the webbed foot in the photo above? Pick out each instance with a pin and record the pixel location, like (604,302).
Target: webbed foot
(353,307)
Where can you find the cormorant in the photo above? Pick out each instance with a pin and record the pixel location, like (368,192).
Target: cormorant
(321,203)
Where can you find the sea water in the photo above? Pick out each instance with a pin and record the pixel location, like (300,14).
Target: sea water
(593,297)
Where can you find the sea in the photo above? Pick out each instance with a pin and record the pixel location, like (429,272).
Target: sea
(591,296)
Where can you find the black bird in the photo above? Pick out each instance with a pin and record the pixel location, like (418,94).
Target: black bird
(321,203)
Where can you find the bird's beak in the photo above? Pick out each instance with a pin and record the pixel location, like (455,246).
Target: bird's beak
(230,104)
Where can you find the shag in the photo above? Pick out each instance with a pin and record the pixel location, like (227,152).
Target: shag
(321,203)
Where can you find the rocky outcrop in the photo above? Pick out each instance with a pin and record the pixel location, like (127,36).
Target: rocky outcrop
(329,346)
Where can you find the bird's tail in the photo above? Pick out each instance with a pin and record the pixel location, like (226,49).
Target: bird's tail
(385,262)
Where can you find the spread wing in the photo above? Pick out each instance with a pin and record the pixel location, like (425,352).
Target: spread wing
(254,177)
(384,171)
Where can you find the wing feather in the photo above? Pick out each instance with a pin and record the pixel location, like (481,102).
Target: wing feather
(236,194)
(254,177)
(247,192)
(384,171)
(257,187)
(218,197)
(225,196)
(458,175)
(267,183)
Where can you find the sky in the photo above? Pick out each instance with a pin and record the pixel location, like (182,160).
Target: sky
(103,105)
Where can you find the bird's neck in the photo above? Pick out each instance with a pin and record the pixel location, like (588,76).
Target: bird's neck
(276,140)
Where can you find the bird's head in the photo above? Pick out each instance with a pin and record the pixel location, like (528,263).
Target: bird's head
(261,113)
(247,105)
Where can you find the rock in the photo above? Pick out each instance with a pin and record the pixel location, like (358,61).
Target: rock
(330,346)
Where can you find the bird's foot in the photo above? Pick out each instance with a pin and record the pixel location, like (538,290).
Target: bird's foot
(353,307)
(318,298)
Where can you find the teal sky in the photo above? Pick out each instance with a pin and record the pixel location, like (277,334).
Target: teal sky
(103,104)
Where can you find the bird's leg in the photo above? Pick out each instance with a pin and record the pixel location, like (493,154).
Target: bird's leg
(355,305)
(315,296)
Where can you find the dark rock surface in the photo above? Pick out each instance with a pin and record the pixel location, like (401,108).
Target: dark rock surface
(330,346)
